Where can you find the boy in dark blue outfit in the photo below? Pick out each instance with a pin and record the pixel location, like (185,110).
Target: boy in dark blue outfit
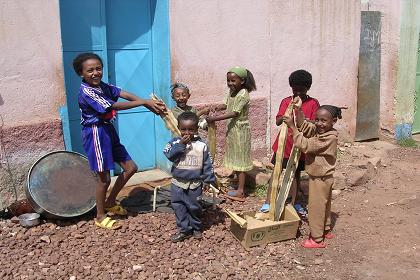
(192,168)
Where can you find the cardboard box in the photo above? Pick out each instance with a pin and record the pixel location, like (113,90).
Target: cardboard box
(259,232)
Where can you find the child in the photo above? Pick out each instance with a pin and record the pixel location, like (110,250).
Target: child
(300,81)
(181,94)
(238,136)
(319,142)
(98,103)
(192,167)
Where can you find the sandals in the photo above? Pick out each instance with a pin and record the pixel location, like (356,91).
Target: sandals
(301,210)
(117,210)
(233,195)
(312,244)
(265,208)
(107,223)
(232,187)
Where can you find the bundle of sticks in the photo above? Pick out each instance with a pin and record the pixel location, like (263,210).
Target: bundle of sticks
(171,122)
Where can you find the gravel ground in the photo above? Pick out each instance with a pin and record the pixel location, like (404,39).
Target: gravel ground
(385,200)
(140,250)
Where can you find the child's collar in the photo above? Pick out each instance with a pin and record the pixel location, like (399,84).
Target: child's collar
(89,86)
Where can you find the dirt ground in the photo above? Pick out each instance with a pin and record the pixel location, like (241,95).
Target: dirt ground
(377,235)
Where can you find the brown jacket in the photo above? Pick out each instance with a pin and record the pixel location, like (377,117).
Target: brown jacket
(320,149)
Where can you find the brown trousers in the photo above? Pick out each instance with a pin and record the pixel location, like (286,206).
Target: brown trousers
(319,206)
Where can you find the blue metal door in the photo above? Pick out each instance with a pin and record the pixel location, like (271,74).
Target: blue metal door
(121,33)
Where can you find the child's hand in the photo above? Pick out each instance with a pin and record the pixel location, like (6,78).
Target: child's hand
(206,187)
(205,111)
(299,117)
(186,139)
(289,121)
(210,119)
(157,107)
(297,102)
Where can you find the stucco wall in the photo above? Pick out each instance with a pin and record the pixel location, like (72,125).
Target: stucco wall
(321,37)
(272,39)
(390,40)
(32,90)
(31,63)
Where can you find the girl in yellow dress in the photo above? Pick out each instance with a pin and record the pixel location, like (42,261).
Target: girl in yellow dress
(240,82)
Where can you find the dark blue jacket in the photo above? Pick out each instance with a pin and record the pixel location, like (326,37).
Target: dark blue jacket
(191,162)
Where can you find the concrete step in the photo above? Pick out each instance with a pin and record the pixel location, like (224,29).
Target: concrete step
(144,176)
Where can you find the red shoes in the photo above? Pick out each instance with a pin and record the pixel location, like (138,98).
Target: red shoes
(310,243)
(329,235)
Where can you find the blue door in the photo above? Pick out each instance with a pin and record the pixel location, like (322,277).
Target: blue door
(132,38)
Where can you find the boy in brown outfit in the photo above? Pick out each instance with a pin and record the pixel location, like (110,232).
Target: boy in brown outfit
(319,142)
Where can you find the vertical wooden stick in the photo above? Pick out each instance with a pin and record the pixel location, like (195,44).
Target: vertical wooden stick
(289,175)
(212,139)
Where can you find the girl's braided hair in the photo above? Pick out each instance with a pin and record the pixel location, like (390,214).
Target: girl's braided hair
(333,110)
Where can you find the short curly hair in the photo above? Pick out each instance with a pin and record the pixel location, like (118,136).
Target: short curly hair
(300,78)
(188,115)
(78,61)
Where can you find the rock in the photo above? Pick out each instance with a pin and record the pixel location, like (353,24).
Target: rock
(300,267)
(335,193)
(375,161)
(296,261)
(78,236)
(15,220)
(359,177)
(339,181)
(137,267)
(81,223)
(257,177)
(45,238)
(72,278)
(318,261)
(360,163)
(224,276)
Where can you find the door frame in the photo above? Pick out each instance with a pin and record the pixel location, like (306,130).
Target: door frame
(416,125)
(161,72)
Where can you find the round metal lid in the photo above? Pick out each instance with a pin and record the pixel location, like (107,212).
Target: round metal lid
(62,185)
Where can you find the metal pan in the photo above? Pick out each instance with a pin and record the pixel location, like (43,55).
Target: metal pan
(61,185)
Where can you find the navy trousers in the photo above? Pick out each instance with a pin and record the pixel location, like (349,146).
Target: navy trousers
(187,208)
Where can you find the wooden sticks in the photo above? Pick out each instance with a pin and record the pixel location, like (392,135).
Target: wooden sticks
(170,122)
(279,161)
(288,176)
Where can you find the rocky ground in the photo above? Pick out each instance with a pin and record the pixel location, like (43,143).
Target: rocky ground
(376,208)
